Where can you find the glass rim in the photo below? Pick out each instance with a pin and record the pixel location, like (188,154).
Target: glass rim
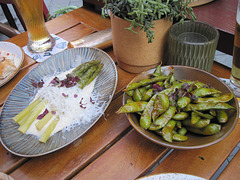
(212,41)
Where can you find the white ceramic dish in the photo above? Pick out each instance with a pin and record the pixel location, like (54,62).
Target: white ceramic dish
(27,145)
(14,49)
(171,176)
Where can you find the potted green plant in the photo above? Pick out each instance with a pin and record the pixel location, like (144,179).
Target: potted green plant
(141,27)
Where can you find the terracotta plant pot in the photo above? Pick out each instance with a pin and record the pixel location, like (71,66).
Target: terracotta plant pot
(133,52)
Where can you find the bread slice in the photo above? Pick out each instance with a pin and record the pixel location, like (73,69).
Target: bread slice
(6,68)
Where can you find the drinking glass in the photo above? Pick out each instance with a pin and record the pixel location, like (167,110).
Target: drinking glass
(39,39)
(192,44)
(235,72)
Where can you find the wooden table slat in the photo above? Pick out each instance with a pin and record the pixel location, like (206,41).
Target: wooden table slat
(111,149)
(91,19)
(77,32)
(130,157)
(231,172)
(206,160)
(219,13)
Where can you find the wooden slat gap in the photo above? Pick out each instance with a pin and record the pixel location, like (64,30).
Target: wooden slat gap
(74,173)
(152,166)
(222,167)
(117,94)
(70,27)
(89,26)
(16,165)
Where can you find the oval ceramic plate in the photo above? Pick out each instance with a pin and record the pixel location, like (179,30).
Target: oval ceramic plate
(194,141)
(27,145)
(14,49)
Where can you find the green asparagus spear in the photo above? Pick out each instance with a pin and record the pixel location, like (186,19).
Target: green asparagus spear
(78,71)
(26,110)
(33,115)
(86,76)
(95,74)
(23,119)
(46,134)
(41,123)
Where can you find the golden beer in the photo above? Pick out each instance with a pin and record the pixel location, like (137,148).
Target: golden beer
(235,73)
(39,39)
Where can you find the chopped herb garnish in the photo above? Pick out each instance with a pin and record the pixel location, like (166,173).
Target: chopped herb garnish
(43,114)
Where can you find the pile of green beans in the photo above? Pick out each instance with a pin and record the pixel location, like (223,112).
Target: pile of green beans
(171,107)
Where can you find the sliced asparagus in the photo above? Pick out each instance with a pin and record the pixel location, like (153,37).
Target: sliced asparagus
(26,110)
(41,123)
(46,134)
(32,116)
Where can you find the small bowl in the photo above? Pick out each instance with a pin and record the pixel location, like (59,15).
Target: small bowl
(194,141)
(14,49)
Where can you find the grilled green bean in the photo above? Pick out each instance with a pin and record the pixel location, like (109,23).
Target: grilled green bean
(200,124)
(137,96)
(201,92)
(161,104)
(210,129)
(130,93)
(205,116)
(182,131)
(207,106)
(145,119)
(182,102)
(167,134)
(147,95)
(165,117)
(132,107)
(180,116)
(222,116)
(167,131)
(157,71)
(223,98)
(179,124)
(194,117)
(145,82)
(180,137)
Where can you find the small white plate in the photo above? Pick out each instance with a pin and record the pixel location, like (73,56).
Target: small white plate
(171,176)
(14,49)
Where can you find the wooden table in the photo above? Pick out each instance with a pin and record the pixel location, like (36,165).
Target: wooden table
(112,149)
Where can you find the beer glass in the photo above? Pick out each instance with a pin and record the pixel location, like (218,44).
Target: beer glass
(39,39)
(235,72)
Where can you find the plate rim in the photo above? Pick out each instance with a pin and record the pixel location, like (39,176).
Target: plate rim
(95,121)
(175,174)
(12,75)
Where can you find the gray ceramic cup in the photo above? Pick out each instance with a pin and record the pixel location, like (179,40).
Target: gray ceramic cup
(192,44)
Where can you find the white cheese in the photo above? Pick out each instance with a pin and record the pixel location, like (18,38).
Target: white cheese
(66,102)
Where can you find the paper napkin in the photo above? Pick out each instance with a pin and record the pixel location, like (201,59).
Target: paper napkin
(60,45)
